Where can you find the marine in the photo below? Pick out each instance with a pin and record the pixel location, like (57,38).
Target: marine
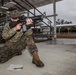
(17,40)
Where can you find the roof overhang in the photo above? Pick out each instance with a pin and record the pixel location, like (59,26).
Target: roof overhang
(22,4)
(65,25)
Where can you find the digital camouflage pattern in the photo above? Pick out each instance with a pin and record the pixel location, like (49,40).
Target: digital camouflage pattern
(16,41)
(10,34)
(14,13)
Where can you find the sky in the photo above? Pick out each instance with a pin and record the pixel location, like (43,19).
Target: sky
(65,9)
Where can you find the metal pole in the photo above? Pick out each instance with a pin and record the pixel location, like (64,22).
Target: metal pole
(50,28)
(7,15)
(34,21)
(54,11)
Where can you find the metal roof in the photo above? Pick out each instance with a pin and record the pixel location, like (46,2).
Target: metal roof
(23,4)
(65,25)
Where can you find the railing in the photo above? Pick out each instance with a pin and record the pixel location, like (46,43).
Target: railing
(35,9)
(33,13)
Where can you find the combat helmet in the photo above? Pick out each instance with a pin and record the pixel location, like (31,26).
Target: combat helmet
(14,13)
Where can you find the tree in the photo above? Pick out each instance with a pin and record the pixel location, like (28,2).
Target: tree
(62,21)
(58,21)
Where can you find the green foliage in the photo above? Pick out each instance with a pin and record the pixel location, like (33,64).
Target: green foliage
(62,21)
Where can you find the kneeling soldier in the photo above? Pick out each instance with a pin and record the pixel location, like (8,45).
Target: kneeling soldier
(17,40)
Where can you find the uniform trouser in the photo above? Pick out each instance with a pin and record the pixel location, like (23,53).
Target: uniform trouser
(10,50)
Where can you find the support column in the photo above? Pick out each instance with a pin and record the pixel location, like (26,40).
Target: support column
(54,12)
(34,21)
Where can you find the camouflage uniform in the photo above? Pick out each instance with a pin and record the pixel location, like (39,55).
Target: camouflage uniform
(16,41)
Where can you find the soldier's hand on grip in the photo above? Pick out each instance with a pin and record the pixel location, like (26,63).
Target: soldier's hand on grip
(17,27)
(29,21)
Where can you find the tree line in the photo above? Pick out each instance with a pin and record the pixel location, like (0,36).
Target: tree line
(66,28)
(62,21)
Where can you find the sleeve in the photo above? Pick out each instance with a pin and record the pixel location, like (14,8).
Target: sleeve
(7,32)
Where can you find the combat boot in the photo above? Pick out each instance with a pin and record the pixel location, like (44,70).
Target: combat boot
(36,60)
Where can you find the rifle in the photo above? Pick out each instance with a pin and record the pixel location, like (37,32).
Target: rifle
(23,22)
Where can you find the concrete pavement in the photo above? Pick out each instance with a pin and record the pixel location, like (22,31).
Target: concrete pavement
(58,59)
